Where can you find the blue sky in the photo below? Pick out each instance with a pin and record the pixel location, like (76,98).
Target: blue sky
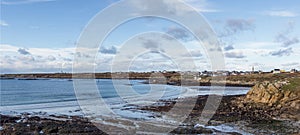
(41,35)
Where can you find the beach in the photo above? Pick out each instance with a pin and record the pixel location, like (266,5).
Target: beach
(228,119)
(55,109)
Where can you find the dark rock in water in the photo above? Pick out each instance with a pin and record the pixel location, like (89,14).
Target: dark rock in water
(27,79)
(37,125)
(191,130)
(7,78)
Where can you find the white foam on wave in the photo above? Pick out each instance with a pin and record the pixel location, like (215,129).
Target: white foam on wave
(70,108)
(122,106)
(228,129)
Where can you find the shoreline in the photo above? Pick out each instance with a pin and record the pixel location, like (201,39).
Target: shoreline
(248,118)
(205,83)
(234,114)
(146,81)
(170,78)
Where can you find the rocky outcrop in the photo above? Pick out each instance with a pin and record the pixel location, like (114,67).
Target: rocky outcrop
(272,94)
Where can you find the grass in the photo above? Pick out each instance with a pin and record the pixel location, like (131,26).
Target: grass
(293,86)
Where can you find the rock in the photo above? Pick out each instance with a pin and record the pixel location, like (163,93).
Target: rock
(272,95)
(198,125)
(295,104)
(279,106)
(265,93)
(241,105)
(278,85)
(191,130)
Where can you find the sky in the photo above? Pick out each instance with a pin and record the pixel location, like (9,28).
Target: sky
(42,35)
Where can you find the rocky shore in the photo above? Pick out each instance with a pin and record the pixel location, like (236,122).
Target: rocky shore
(26,124)
(246,116)
(282,96)
(250,118)
(270,107)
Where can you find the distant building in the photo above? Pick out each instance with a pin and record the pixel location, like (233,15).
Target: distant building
(256,72)
(234,73)
(242,73)
(294,71)
(276,71)
(206,73)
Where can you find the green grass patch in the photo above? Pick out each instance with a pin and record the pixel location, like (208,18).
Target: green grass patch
(293,86)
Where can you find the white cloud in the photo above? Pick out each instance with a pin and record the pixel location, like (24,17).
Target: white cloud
(282,52)
(258,54)
(6,2)
(281,13)
(201,5)
(38,60)
(3,23)
(257,45)
(285,37)
(243,57)
(172,7)
(235,54)
(12,60)
(236,26)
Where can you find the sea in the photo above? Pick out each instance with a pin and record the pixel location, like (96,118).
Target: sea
(57,97)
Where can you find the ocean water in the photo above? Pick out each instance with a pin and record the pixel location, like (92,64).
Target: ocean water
(57,96)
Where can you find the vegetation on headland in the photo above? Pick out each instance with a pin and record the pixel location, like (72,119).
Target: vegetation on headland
(294,84)
(172,78)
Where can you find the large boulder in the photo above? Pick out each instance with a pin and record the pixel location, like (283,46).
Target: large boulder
(273,94)
(266,92)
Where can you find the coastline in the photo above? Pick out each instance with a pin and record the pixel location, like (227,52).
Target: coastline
(246,119)
(171,78)
(234,116)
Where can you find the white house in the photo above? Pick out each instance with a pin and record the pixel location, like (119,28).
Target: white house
(276,71)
